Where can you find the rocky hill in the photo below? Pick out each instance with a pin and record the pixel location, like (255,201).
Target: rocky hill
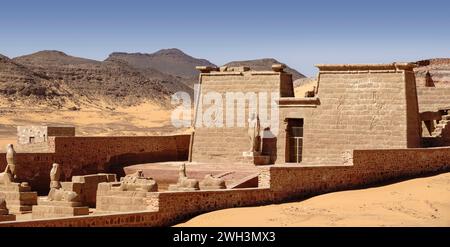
(56,77)
(265,64)
(17,79)
(53,78)
(171,62)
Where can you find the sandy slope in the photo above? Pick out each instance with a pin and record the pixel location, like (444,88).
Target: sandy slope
(143,119)
(417,202)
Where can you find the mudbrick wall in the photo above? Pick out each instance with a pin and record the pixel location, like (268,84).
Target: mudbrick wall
(89,155)
(278,183)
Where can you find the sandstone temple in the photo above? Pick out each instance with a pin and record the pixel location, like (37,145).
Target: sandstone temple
(361,125)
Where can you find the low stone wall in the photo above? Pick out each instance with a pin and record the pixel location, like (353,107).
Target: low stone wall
(186,204)
(369,166)
(133,219)
(89,155)
(173,206)
(281,182)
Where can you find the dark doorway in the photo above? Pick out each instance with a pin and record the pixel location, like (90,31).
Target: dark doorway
(294,140)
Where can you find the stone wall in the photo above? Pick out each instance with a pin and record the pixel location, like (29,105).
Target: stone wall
(369,166)
(89,155)
(38,133)
(226,144)
(60,131)
(133,219)
(40,147)
(361,107)
(35,134)
(286,182)
(169,208)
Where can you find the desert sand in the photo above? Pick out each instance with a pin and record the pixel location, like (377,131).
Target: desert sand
(144,119)
(416,202)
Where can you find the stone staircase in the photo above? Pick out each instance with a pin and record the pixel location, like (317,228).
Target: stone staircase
(442,127)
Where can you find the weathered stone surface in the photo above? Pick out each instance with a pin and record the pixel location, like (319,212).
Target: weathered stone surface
(110,198)
(54,211)
(137,182)
(7,217)
(18,197)
(212,183)
(184,183)
(87,155)
(226,144)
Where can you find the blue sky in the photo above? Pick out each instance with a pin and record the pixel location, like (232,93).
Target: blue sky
(299,33)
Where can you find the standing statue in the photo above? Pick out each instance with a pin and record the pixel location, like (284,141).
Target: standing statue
(9,175)
(254,129)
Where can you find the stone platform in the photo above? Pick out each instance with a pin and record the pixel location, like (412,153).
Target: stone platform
(166,173)
(19,198)
(53,209)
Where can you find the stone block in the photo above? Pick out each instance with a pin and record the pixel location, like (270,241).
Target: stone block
(7,217)
(54,211)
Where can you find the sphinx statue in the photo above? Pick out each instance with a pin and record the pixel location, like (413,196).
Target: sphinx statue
(211,182)
(57,193)
(184,183)
(138,182)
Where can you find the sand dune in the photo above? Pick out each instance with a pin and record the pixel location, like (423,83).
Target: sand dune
(417,202)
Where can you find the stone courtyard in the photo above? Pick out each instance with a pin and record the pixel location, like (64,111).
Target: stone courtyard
(361,125)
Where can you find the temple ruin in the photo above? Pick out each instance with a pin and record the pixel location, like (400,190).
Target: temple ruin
(360,125)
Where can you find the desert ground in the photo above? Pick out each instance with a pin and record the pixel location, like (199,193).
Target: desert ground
(416,202)
(144,119)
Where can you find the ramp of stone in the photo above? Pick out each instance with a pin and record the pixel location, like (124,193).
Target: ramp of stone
(166,173)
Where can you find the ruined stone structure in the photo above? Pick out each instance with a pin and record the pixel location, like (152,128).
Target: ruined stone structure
(184,183)
(211,182)
(225,142)
(40,138)
(17,194)
(69,198)
(132,193)
(89,155)
(355,107)
(138,182)
(361,125)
